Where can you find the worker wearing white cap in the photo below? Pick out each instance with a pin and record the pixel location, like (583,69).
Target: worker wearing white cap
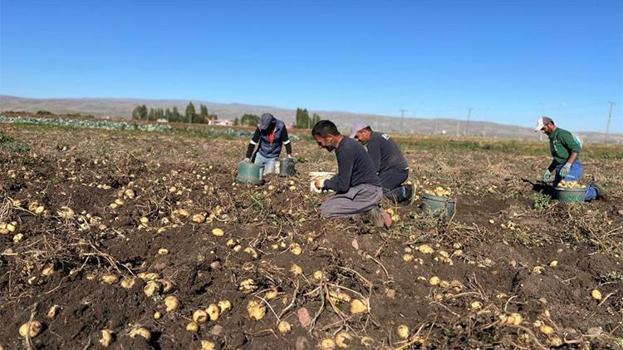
(565,149)
(389,163)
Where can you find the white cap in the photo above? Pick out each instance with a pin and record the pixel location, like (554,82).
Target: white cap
(541,122)
(357,126)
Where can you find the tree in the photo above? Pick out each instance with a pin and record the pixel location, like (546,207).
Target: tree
(139,112)
(302,118)
(249,120)
(314,119)
(236,121)
(175,115)
(204,115)
(167,114)
(191,114)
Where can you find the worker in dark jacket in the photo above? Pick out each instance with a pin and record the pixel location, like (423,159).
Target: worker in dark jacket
(269,137)
(389,163)
(356,184)
(565,149)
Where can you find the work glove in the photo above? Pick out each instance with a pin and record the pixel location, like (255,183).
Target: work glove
(547,177)
(565,170)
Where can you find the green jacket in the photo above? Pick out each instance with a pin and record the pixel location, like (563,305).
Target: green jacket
(561,144)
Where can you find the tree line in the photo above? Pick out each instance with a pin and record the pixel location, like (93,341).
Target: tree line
(190,115)
(303,120)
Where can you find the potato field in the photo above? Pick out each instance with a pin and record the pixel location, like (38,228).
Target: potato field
(142,240)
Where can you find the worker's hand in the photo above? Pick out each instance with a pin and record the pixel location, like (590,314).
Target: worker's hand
(547,177)
(565,170)
(290,156)
(319,183)
(246,160)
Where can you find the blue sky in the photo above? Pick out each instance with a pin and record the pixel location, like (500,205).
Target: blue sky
(509,60)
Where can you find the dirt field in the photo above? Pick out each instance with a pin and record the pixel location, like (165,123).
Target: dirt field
(101,219)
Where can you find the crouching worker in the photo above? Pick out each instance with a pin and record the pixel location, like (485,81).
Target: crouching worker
(565,149)
(388,162)
(269,137)
(356,184)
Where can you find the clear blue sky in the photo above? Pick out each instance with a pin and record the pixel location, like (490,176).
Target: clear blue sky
(510,60)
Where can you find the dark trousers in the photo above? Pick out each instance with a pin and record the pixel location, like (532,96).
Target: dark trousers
(391,181)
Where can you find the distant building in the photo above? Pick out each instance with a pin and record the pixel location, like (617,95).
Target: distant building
(220,122)
(163,121)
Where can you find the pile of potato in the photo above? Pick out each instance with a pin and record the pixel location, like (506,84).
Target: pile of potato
(570,184)
(439,192)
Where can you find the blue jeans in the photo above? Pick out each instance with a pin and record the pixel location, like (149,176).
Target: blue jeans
(263,161)
(575,174)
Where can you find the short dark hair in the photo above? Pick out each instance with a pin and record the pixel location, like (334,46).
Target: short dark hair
(367,128)
(324,128)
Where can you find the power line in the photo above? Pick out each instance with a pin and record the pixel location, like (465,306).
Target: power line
(609,119)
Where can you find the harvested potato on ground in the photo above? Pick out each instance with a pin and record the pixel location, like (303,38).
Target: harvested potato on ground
(426,249)
(110,278)
(106,338)
(218,232)
(357,306)
(128,282)
(172,303)
(545,329)
(30,329)
(296,249)
(192,327)
(327,344)
(52,311)
(207,345)
(256,310)
(224,305)
(151,288)
(434,281)
(402,331)
(296,270)
(200,316)
(213,312)
(343,340)
(596,294)
(140,332)
(284,327)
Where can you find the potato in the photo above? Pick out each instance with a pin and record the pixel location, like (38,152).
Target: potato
(192,327)
(271,294)
(343,339)
(128,282)
(425,249)
(157,315)
(106,338)
(296,270)
(224,305)
(207,345)
(296,249)
(407,257)
(318,275)
(200,316)
(248,285)
(30,329)
(553,263)
(256,310)
(284,327)
(48,271)
(172,303)
(52,311)
(327,344)
(151,288)
(140,332)
(148,276)
(163,251)
(545,329)
(110,278)
(167,285)
(475,305)
(213,311)
(129,193)
(514,319)
(198,218)
(596,294)
(357,306)
(434,281)
(218,232)
(144,220)
(402,331)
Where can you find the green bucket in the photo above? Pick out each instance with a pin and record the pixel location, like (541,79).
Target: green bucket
(570,195)
(250,173)
(436,205)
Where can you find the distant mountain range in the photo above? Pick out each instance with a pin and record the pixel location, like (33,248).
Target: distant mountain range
(122,107)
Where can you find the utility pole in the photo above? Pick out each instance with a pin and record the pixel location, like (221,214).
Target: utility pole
(402,120)
(609,119)
(469,115)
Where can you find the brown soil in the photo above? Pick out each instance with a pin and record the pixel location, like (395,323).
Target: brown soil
(497,250)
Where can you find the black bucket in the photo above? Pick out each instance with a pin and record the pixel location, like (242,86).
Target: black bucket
(286,167)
